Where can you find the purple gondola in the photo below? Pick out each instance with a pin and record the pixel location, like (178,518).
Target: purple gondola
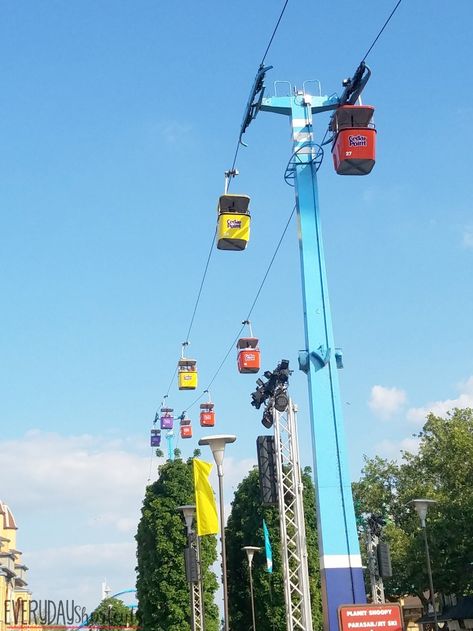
(167,419)
(155,438)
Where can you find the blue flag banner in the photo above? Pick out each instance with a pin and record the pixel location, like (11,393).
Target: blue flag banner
(267,547)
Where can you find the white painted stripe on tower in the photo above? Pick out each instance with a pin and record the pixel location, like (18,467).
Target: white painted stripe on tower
(299,122)
(302,136)
(333,561)
(307,149)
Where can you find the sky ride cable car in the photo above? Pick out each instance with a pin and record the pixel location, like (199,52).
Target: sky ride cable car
(249,356)
(207,413)
(187,371)
(354,145)
(233,219)
(185,426)
(167,418)
(155,438)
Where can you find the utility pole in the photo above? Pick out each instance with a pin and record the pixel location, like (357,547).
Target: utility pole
(340,560)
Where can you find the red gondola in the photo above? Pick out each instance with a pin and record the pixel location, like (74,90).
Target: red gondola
(249,356)
(185,428)
(354,145)
(207,415)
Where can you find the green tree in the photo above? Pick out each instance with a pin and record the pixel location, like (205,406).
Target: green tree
(441,470)
(245,527)
(112,613)
(162,589)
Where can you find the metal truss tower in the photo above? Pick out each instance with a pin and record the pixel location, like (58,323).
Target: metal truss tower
(197,596)
(291,519)
(377,586)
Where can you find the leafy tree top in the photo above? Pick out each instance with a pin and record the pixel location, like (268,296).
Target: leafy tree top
(162,589)
(441,470)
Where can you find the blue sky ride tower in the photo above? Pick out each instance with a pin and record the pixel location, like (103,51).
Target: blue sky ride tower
(341,570)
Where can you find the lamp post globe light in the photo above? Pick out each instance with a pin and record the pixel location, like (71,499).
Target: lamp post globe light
(217,445)
(188,512)
(421,507)
(250,551)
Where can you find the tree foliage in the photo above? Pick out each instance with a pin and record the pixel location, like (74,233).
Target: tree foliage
(442,470)
(245,527)
(162,589)
(112,613)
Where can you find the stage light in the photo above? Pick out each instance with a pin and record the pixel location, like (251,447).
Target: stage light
(267,419)
(281,400)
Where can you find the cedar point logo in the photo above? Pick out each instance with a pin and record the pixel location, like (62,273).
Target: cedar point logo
(233,223)
(358,141)
(63,614)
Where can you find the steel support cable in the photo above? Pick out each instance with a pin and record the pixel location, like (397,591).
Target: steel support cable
(261,64)
(199,294)
(274,32)
(362,61)
(382,29)
(201,286)
(253,305)
(235,156)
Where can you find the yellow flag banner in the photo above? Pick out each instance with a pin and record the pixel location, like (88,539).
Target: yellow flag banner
(206,508)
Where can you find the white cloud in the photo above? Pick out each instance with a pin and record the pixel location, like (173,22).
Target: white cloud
(385,402)
(42,470)
(174,132)
(77,571)
(77,503)
(440,408)
(468,237)
(391,449)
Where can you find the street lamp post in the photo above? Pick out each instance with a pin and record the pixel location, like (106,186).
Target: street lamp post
(188,512)
(421,507)
(217,445)
(250,551)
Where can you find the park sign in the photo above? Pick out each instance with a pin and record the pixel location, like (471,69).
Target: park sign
(384,617)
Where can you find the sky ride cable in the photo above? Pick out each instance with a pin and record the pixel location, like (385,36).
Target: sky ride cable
(261,67)
(274,32)
(381,30)
(253,304)
(359,73)
(232,173)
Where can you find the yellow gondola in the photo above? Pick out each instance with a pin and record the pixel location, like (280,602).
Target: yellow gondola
(233,224)
(187,374)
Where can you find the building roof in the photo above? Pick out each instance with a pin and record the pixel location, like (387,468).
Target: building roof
(8,519)
(461,611)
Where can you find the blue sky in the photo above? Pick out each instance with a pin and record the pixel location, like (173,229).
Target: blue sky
(117,121)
